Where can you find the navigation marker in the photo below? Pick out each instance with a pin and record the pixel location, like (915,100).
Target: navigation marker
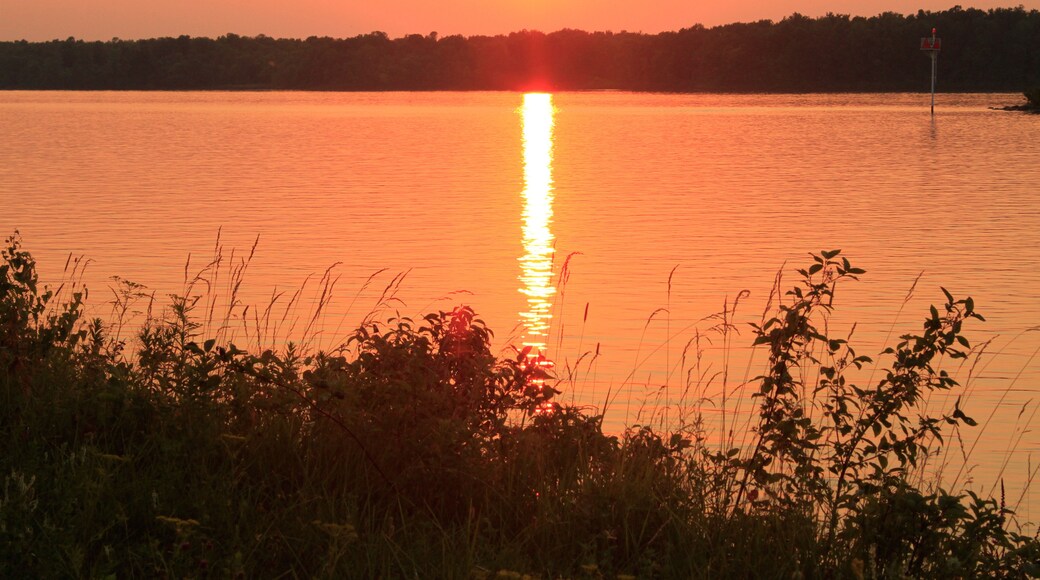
(932,46)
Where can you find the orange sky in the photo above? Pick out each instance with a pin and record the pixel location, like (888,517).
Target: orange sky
(104,19)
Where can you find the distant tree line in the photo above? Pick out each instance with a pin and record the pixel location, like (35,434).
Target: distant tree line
(994,50)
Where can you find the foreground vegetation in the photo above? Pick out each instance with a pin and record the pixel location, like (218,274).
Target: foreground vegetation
(415,452)
(994,50)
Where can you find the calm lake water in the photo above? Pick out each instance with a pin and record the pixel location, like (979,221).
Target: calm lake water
(664,208)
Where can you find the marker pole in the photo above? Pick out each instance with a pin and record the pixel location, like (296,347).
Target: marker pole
(934,55)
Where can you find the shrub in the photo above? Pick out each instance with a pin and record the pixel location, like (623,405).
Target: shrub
(1033,97)
(415,451)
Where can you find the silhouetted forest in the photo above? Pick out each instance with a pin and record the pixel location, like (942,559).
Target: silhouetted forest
(995,50)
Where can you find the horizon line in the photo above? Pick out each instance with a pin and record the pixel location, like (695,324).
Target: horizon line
(694,26)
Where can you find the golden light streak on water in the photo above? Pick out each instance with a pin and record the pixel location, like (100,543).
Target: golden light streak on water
(537,261)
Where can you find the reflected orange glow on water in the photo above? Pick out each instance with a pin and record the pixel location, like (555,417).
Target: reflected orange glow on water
(537,262)
(726,187)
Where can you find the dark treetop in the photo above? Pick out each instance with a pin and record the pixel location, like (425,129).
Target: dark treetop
(995,50)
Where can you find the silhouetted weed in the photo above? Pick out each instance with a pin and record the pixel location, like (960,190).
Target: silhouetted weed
(414,451)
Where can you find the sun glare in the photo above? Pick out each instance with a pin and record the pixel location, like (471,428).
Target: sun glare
(537,261)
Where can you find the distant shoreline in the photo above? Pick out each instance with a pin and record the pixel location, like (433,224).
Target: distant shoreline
(983,51)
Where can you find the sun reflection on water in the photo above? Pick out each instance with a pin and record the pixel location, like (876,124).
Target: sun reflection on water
(537,262)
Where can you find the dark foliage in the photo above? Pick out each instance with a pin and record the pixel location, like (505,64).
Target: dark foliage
(416,452)
(995,50)
(1033,98)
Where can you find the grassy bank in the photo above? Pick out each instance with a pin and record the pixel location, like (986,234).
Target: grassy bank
(414,451)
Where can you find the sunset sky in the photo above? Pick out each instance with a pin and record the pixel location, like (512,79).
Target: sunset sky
(129,19)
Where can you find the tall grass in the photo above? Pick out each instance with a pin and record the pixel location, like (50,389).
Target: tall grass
(414,451)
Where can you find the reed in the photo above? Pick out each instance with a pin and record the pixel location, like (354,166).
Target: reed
(413,450)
